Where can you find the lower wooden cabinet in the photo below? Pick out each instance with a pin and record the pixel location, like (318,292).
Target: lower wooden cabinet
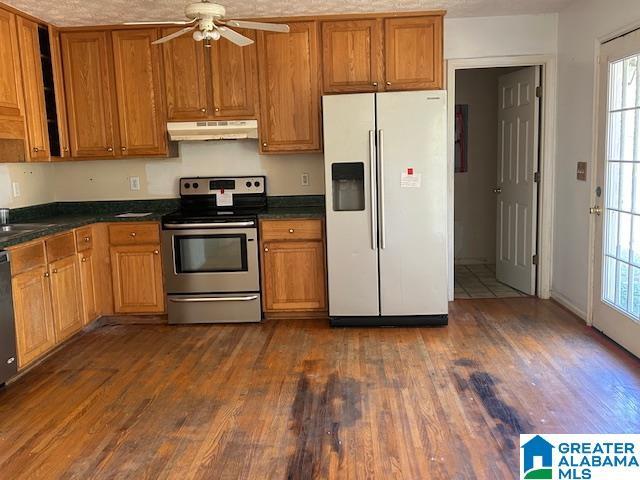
(87,281)
(137,278)
(33,316)
(293,266)
(66,297)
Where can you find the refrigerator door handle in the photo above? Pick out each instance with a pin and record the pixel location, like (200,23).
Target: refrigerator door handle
(372,179)
(381,187)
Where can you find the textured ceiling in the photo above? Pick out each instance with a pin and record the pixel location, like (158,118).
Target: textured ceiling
(95,12)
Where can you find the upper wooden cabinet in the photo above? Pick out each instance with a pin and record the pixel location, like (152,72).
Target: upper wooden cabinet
(10,79)
(137,66)
(33,85)
(376,54)
(413,53)
(352,56)
(89,93)
(233,78)
(215,82)
(185,78)
(289,89)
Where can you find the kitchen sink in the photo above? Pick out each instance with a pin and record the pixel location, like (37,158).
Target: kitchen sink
(7,232)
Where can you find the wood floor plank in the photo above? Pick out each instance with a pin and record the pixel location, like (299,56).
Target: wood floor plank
(295,399)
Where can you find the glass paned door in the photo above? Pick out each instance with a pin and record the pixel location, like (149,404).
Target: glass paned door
(616,273)
(621,272)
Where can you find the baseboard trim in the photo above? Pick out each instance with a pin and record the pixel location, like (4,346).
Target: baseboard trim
(569,305)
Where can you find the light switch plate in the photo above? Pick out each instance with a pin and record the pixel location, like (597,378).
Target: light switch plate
(16,189)
(581,173)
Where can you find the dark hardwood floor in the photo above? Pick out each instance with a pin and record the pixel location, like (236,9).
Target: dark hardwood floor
(296,399)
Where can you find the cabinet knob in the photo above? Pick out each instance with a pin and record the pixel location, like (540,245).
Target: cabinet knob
(266,249)
(46,274)
(375,84)
(291,230)
(388,84)
(65,149)
(84,259)
(109,149)
(203,110)
(55,270)
(217,109)
(133,234)
(156,252)
(36,149)
(87,239)
(264,144)
(124,149)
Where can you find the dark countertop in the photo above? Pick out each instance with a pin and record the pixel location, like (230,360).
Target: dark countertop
(64,216)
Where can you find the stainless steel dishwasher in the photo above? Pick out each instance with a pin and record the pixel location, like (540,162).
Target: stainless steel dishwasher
(8,364)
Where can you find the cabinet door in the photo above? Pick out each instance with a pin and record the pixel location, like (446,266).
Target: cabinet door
(233,78)
(10,80)
(137,279)
(33,316)
(413,53)
(66,298)
(289,89)
(294,276)
(185,77)
(33,85)
(58,86)
(138,87)
(87,282)
(89,93)
(352,56)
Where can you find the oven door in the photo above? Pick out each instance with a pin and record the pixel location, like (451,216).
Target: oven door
(211,260)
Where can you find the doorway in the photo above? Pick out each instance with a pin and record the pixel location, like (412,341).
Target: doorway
(496,171)
(616,212)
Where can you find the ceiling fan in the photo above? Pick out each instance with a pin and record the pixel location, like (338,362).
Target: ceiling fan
(207,21)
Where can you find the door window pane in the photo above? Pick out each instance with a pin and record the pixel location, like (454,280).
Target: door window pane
(621,245)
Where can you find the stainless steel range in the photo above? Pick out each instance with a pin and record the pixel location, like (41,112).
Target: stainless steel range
(210,251)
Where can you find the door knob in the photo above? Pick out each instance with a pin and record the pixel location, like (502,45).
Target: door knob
(596,210)
(497,190)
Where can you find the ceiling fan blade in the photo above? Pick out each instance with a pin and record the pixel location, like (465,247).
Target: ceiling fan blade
(234,37)
(173,35)
(270,27)
(176,22)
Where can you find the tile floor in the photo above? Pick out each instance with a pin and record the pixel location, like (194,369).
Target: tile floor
(479,281)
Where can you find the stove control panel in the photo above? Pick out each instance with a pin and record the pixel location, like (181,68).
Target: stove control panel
(214,185)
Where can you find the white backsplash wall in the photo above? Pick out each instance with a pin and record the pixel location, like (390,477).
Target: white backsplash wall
(34,183)
(109,179)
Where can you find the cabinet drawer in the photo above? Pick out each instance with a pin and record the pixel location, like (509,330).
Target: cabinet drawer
(26,257)
(84,238)
(134,234)
(60,246)
(291,229)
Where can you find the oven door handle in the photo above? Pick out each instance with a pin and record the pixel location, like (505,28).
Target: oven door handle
(247,298)
(184,226)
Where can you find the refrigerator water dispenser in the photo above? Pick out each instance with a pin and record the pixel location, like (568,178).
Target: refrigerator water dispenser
(348,186)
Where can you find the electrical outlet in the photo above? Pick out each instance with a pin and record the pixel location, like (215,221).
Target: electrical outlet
(16,189)
(134,183)
(304,180)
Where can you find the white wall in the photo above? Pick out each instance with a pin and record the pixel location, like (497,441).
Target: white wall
(580,25)
(34,180)
(475,202)
(109,179)
(474,37)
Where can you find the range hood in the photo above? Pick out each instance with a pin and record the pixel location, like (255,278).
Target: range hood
(213,130)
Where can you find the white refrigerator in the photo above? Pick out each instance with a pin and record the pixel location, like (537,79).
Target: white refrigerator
(386,208)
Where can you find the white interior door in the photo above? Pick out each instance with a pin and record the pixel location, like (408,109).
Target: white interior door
(412,169)
(518,120)
(352,247)
(616,309)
